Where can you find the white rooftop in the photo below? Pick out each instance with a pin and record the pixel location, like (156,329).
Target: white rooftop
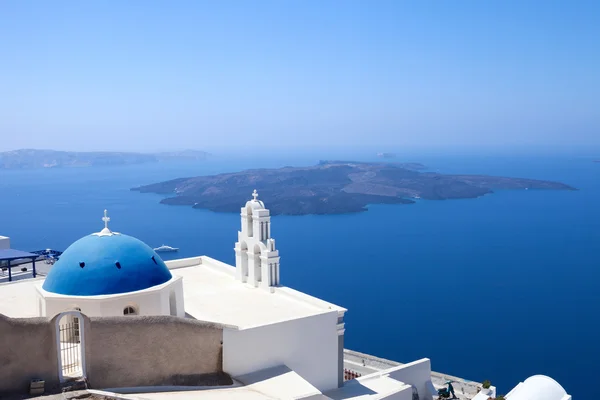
(269,384)
(369,387)
(19,299)
(280,383)
(211,293)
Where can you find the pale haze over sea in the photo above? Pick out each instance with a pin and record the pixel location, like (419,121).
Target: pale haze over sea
(502,87)
(146,76)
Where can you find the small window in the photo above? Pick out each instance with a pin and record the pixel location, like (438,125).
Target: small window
(129,311)
(82,264)
(118,264)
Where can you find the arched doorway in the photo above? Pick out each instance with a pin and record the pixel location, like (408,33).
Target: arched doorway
(70,345)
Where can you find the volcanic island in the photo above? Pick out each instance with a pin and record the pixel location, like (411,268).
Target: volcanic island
(334,187)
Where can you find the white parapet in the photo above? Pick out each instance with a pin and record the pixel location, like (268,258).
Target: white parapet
(4,242)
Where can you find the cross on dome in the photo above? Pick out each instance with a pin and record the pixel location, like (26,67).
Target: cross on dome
(106,231)
(106,219)
(254,203)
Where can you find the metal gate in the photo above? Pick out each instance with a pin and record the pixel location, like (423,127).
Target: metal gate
(70,345)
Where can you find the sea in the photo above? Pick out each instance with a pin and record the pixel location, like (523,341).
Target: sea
(500,287)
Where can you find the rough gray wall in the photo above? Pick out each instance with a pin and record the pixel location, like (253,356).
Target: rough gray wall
(119,352)
(27,351)
(148,351)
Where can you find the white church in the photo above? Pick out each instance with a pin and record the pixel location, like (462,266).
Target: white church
(112,313)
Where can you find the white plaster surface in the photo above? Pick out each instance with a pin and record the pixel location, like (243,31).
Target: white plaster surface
(267,328)
(211,293)
(392,383)
(538,387)
(416,373)
(283,383)
(25,298)
(274,383)
(239,393)
(366,364)
(309,346)
(256,259)
(151,301)
(277,381)
(379,387)
(19,299)
(483,395)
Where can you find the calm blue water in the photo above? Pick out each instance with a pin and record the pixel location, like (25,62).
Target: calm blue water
(500,288)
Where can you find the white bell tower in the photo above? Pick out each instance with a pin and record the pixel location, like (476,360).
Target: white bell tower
(256,260)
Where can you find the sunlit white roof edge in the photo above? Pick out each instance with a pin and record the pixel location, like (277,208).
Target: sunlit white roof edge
(314,301)
(227,272)
(39,278)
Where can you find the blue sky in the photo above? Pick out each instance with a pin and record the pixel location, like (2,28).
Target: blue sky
(146,75)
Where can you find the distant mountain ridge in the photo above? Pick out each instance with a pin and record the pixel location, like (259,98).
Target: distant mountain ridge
(33,158)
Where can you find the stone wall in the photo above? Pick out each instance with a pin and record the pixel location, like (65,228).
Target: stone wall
(27,351)
(149,351)
(119,352)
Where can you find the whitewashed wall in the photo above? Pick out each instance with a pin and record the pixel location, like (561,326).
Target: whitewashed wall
(416,373)
(308,346)
(4,242)
(153,301)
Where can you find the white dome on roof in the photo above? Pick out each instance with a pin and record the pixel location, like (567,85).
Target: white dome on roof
(538,387)
(255,204)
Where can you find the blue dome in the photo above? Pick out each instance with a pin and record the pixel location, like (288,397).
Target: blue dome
(97,265)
